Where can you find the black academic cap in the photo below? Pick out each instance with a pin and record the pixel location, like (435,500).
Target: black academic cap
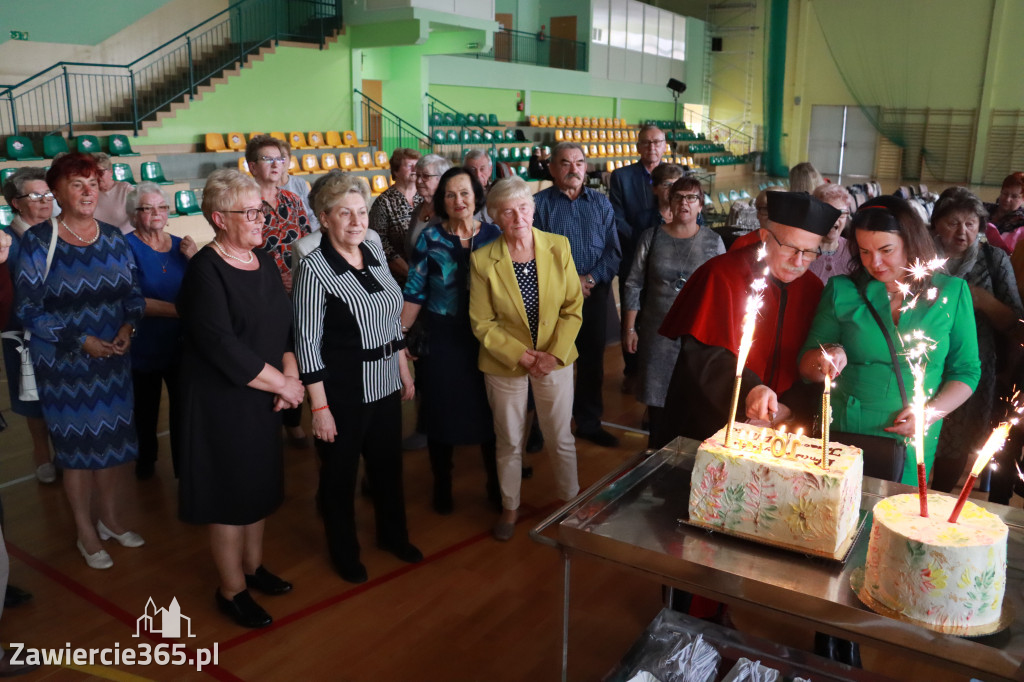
(802,211)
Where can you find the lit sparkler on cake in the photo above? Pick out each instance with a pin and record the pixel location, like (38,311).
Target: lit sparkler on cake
(746,340)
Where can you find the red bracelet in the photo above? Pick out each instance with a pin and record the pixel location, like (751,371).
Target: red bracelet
(317,409)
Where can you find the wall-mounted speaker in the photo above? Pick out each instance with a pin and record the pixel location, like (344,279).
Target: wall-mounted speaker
(716,44)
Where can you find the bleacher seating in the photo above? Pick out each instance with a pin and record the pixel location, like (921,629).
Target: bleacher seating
(152,171)
(120,146)
(19,148)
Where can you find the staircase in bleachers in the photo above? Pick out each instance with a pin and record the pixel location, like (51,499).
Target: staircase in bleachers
(386,130)
(69,96)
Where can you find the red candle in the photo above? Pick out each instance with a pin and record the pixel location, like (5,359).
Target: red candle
(964,494)
(922,488)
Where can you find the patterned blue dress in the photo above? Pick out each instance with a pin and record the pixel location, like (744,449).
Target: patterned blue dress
(90,290)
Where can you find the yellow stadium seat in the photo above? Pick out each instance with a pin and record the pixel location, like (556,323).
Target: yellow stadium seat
(346,161)
(243,166)
(328,161)
(533,120)
(542,121)
(601,151)
(379,184)
(350,139)
(333,139)
(215,143)
(593,150)
(586,121)
(279,136)
(617,135)
(602,135)
(577,136)
(294,168)
(252,135)
(316,140)
(586,135)
(310,164)
(579,121)
(364,161)
(609,165)
(632,135)
(380,160)
(236,142)
(560,121)
(297,140)
(618,164)
(618,150)
(559,135)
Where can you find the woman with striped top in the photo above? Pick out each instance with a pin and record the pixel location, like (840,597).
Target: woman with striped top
(352,360)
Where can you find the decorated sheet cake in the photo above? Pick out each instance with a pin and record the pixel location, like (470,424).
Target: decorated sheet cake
(929,570)
(772,487)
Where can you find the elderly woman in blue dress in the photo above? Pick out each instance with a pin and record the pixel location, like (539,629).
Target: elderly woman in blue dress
(439,281)
(161,259)
(81,310)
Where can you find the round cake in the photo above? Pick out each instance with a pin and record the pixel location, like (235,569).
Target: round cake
(950,575)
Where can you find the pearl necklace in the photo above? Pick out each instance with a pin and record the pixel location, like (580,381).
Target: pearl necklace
(79,237)
(228,255)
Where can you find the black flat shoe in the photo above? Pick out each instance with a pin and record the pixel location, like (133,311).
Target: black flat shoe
(354,573)
(243,610)
(405,551)
(15,596)
(599,437)
(267,583)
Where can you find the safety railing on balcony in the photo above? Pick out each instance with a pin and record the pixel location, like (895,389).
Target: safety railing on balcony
(735,141)
(73,94)
(386,130)
(538,49)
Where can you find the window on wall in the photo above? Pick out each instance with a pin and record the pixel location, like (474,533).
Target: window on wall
(617,23)
(635,27)
(639,27)
(600,22)
(679,38)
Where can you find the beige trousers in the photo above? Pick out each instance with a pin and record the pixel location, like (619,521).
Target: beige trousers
(553,395)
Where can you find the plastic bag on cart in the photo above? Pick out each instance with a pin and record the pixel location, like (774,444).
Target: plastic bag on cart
(689,661)
(746,670)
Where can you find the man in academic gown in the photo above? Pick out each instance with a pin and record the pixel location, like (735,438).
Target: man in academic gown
(708,316)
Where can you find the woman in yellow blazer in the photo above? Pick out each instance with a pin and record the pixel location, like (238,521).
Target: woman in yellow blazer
(525,306)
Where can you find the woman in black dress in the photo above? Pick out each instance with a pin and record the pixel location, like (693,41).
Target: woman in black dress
(351,353)
(237,373)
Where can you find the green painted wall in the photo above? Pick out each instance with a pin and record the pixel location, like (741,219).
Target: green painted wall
(295,88)
(577,105)
(78,23)
(635,111)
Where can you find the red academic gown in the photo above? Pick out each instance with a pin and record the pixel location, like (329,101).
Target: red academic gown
(707,316)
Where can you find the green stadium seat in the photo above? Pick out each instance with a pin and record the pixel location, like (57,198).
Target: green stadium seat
(152,171)
(745,194)
(471,119)
(488,136)
(438,137)
(503,153)
(492,119)
(54,145)
(514,154)
(477,137)
(88,144)
(19,148)
(510,136)
(460,119)
(6,173)
(123,173)
(435,119)
(453,137)
(120,146)
(449,119)
(6,216)
(185,202)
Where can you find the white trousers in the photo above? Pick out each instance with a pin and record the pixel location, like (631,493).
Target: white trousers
(553,395)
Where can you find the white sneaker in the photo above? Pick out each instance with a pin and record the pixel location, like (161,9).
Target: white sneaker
(46,473)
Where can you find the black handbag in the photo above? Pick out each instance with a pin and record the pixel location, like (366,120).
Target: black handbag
(417,339)
(883,457)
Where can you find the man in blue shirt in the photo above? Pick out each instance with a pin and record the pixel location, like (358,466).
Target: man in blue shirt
(585,217)
(629,190)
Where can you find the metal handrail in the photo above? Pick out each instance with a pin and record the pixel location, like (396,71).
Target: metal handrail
(522,47)
(403,130)
(126,94)
(735,140)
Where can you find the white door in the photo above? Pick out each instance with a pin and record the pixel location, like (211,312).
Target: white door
(860,140)
(842,142)
(825,144)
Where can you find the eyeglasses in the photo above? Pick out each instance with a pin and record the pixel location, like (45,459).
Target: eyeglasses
(688,198)
(427,175)
(153,210)
(251,214)
(650,143)
(36,196)
(789,251)
(668,183)
(273,160)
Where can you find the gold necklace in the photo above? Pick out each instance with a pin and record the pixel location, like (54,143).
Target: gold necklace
(79,237)
(228,255)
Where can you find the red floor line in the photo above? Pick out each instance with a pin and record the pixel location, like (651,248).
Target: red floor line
(529,512)
(111,609)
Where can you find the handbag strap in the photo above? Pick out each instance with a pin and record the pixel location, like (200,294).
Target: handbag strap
(892,346)
(49,261)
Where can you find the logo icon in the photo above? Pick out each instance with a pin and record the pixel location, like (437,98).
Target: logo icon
(165,622)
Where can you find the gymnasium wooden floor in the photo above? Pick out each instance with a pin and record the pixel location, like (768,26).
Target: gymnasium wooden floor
(474,609)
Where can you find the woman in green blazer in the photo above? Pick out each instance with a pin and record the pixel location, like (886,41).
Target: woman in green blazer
(888,236)
(525,308)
